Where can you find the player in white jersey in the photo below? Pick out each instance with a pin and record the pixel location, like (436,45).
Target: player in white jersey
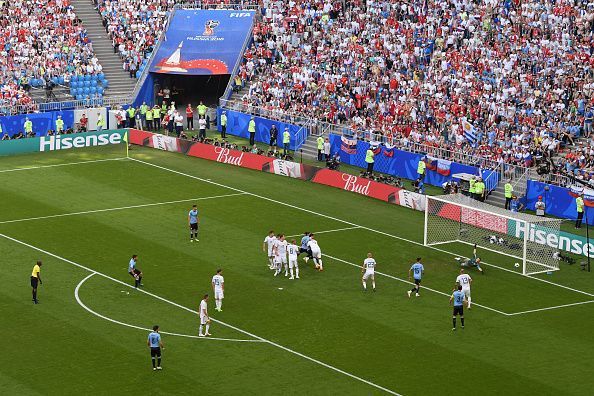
(293,251)
(465,281)
(316,252)
(280,255)
(218,288)
(267,247)
(204,319)
(368,271)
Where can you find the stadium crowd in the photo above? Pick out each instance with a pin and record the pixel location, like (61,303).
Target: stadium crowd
(42,42)
(520,73)
(134,26)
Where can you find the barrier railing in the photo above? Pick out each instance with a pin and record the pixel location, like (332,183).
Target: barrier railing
(66,105)
(210,5)
(493,179)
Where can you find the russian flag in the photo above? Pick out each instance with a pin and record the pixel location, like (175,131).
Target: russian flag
(389,152)
(431,163)
(575,192)
(443,167)
(349,146)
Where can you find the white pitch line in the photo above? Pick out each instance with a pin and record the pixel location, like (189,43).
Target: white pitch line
(57,165)
(119,208)
(410,283)
(322,232)
(284,348)
(351,224)
(79,301)
(550,308)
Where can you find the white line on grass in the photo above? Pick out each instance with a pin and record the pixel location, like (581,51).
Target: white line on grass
(351,224)
(284,348)
(119,208)
(410,283)
(550,308)
(66,164)
(79,301)
(324,232)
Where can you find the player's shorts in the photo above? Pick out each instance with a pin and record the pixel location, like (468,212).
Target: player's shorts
(283,259)
(135,272)
(368,274)
(219,294)
(458,310)
(417,281)
(277,260)
(466,292)
(316,254)
(156,352)
(34,282)
(293,262)
(203,320)
(194,226)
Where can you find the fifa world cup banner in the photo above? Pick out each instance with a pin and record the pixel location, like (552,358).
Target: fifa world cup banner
(203,42)
(370,188)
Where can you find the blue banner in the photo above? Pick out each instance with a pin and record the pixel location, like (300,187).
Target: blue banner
(237,125)
(558,201)
(42,122)
(202,42)
(397,162)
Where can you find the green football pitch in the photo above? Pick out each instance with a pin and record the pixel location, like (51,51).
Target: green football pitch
(84,213)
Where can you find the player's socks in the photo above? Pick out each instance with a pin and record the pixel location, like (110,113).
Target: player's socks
(373,284)
(153,360)
(140,281)
(454,323)
(297,272)
(462,321)
(200,331)
(469,301)
(159,363)
(364,285)
(206,332)
(34,295)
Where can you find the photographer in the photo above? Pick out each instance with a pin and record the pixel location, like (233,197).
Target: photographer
(333,163)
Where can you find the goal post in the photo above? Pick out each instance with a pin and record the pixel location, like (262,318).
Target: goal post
(459,218)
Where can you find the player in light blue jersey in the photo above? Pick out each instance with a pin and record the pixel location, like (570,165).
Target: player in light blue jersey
(458,298)
(305,247)
(155,344)
(193,221)
(417,271)
(134,271)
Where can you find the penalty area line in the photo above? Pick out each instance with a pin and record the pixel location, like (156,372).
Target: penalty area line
(324,232)
(350,223)
(284,348)
(120,208)
(83,305)
(550,308)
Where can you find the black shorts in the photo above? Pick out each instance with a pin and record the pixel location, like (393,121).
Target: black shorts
(34,282)
(156,352)
(417,282)
(135,272)
(458,310)
(194,226)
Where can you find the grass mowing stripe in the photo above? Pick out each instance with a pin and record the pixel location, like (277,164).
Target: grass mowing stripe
(319,362)
(66,164)
(550,308)
(119,208)
(410,283)
(84,306)
(352,224)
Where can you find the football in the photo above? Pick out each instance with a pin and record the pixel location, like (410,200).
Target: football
(517,265)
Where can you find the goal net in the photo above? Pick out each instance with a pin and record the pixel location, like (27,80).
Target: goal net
(458,218)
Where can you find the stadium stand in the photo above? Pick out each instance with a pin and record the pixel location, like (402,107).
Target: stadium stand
(518,73)
(43,44)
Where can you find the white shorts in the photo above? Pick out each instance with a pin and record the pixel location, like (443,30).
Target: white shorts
(466,292)
(277,260)
(293,262)
(316,254)
(219,294)
(283,259)
(368,274)
(203,320)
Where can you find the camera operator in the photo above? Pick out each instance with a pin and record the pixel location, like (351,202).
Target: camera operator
(333,163)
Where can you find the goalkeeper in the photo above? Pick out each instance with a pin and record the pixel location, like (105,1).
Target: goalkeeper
(474,261)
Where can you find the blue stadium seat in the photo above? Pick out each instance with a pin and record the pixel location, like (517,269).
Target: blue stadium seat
(87,90)
(100,91)
(61,80)
(93,90)
(87,77)
(87,83)
(101,76)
